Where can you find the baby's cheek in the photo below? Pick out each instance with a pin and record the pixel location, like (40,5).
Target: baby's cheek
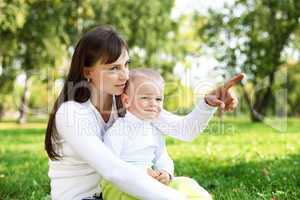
(146,104)
(141,104)
(160,107)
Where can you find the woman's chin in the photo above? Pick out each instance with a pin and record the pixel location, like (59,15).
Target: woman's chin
(117,92)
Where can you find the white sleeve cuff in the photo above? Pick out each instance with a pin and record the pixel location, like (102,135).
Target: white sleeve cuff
(202,105)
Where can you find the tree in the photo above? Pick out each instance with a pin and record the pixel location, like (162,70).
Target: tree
(146,25)
(293,86)
(251,36)
(11,21)
(34,34)
(43,33)
(41,42)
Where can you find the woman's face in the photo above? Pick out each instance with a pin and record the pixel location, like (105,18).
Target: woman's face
(110,78)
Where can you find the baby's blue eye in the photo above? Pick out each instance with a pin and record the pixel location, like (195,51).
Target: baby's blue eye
(158,99)
(144,97)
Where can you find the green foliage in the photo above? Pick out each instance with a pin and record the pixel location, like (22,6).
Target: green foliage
(34,41)
(37,37)
(258,29)
(251,36)
(178,98)
(145,25)
(12,15)
(11,21)
(238,160)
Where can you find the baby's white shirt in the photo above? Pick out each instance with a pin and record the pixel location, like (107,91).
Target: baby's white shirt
(139,143)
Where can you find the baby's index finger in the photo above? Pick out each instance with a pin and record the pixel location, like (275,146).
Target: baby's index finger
(233,81)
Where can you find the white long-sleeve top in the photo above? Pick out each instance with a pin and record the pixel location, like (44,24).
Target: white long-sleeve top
(139,143)
(85,158)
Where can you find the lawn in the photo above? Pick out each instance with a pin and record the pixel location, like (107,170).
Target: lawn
(236,160)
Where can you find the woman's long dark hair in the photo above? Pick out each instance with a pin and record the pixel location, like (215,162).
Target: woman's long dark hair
(101,43)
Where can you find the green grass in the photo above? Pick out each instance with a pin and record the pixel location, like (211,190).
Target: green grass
(239,160)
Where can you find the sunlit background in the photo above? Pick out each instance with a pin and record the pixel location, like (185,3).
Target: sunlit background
(251,153)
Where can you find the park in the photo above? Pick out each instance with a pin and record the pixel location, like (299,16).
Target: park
(251,152)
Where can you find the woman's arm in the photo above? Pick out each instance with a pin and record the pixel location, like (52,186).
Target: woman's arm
(186,127)
(78,127)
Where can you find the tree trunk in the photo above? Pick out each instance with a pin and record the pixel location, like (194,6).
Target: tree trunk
(23,109)
(1,111)
(253,114)
(258,106)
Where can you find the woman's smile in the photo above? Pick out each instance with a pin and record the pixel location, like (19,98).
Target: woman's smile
(121,85)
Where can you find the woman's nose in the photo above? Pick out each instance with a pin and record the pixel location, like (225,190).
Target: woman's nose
(124,74)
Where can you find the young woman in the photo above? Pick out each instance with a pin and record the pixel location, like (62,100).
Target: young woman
(88,105)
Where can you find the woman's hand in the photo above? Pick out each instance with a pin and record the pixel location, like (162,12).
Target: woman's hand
(162,176)
(222,97)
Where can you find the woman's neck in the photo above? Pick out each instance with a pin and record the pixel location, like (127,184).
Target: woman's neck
(103,102)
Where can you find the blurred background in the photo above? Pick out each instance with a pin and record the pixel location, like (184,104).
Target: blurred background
(196,45)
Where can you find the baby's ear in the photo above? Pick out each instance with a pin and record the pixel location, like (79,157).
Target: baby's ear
(125,100)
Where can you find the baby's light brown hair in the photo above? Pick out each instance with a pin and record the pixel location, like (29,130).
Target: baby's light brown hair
(145,73)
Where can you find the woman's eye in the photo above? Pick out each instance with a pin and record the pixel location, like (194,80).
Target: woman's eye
(114,68)
(127,63)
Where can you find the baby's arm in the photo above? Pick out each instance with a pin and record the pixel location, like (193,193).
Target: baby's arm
(164,162)
(164,165)
(187,127)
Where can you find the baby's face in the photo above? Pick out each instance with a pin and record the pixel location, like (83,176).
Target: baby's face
(145,98)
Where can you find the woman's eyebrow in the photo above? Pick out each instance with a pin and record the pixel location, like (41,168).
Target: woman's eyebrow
(118,64)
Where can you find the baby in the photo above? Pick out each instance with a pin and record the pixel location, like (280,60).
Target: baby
(135,140)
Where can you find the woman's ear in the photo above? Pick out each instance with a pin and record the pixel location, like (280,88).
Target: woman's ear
(87,72)
(125,100)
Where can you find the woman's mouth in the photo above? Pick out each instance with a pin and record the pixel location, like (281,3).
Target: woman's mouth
(121,85)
